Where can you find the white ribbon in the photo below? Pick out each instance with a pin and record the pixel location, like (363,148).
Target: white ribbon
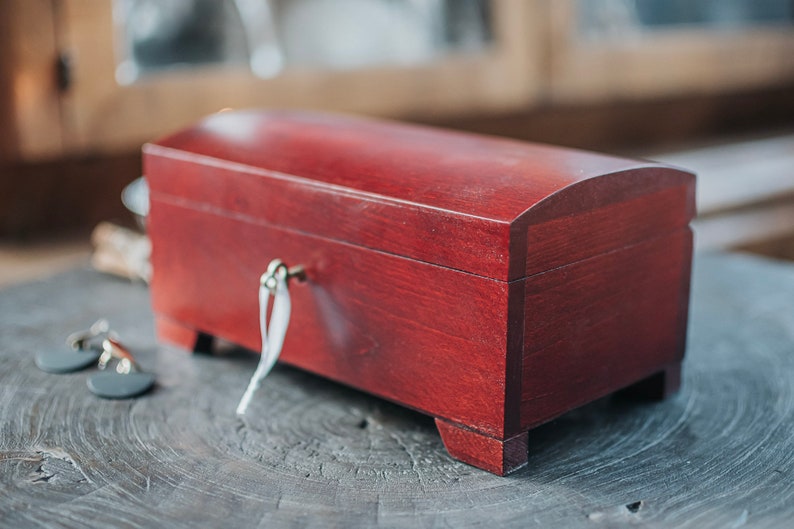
(272,334)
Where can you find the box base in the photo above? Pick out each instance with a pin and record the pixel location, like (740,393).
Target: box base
(182,336)
(658,386)
(498,456)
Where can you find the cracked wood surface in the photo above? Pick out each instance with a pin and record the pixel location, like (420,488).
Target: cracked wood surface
(314,453)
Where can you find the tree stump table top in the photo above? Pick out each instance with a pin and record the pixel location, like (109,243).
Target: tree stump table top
(313,453)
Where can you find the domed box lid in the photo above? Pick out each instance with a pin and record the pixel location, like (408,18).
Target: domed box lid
(489,206)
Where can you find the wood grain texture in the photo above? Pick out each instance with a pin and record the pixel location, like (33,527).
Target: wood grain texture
(453,199)
(410,237)
(445,331)
(601,324)
(500,456)
(312,453)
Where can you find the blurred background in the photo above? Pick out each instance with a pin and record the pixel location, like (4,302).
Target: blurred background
(706,84)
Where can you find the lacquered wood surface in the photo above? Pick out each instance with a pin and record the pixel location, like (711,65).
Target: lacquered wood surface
(313,453)
(408,236)
(499,456)
(605,214)
(434,195)
(428,337)
(604,323)
(493,178)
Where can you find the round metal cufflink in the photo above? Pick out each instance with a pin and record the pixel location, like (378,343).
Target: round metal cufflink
(126,380)
(83,349)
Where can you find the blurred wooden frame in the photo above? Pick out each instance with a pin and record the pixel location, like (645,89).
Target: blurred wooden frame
(29,102)
(101,115)
(536,59)
(668,63)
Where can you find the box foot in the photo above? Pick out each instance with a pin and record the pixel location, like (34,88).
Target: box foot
(658,386)
(499,456)
(182,336)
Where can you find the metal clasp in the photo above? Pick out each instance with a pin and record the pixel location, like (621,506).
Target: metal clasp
(113,350)
(85,340)
(278,270)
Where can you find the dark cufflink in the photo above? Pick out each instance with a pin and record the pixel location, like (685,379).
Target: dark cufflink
(83,348)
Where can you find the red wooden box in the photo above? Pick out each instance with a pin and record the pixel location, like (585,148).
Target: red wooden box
(489,283)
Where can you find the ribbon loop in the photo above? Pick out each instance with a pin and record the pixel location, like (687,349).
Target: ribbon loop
(274,282)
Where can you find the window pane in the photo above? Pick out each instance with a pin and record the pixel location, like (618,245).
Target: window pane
(605,17)
(266,36)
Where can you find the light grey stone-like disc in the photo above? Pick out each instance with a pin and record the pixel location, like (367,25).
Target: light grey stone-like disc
(65,361)
(116,386)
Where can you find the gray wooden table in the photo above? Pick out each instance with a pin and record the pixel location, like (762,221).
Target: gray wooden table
(313,453)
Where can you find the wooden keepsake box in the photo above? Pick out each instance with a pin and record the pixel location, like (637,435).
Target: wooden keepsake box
(492,284)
